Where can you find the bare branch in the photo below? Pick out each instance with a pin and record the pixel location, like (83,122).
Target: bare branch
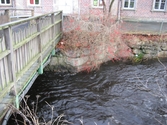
(104,6)
(111,6)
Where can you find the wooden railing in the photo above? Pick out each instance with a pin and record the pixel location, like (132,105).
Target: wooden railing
(8,15)
(4,15)
(24,48)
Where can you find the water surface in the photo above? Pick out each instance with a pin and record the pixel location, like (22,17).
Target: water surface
(116,94)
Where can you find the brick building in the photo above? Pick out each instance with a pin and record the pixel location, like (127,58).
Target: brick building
(133,9)
(136,9)
(144,9)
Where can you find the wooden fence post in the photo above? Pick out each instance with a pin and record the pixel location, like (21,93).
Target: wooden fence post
(9,45)
(40,70)
(61,22)
(53,33)
(32,12)
(7,16)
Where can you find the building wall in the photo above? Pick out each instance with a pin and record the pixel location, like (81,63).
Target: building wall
(143,11)
(68,6)
(21,4)
(86,8)
(77,7)
(45,6)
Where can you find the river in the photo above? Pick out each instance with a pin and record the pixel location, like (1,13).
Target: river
(119,93)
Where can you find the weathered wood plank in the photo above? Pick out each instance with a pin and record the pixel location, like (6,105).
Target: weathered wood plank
(4,54)
(25,41)
(21,73)
(6,70)
(0,46)
(20,58)
(3,44)
(2,74)
(24,54)
(1,82)
(18,61)
(8,41)
(20,50)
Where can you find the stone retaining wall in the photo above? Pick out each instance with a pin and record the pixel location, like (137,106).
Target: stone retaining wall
(150,49)
(65,61)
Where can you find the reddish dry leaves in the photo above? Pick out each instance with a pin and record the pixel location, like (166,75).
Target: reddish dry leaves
(98,46)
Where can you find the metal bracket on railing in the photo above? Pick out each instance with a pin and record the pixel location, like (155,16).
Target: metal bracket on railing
(40,70)
(17,101)
(53,52)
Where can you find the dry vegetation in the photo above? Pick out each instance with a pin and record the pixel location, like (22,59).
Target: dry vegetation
(29,115)
(98,38)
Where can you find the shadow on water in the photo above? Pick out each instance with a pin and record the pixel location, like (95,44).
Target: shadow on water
(116,94)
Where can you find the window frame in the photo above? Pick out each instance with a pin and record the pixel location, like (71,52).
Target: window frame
(5,4)
(128,8)
(160,2)
(92,1)
(34,3)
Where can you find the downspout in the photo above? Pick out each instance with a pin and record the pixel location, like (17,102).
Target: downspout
(119,10)
(14,4)
(53,5)
(79,9)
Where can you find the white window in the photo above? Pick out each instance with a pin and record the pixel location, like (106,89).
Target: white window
(160,5)
(34,2)
(129,4)
(97,3)
(5,2)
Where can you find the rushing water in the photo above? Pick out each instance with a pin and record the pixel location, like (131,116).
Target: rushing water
(116,94)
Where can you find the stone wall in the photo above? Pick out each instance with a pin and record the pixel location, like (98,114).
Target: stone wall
(150,48)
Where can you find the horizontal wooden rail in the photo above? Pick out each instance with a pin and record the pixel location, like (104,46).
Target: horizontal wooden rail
(8,15)
(25,46)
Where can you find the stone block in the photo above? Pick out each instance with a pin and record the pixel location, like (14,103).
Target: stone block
(76,61)
(162,54)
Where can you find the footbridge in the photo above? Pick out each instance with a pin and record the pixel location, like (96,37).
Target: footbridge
(25,49)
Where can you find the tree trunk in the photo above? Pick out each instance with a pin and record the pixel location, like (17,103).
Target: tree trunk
(104,6)
(110,6)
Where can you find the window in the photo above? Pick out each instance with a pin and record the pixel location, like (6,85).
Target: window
(97,3)
(160,5)
(34,2)
(129,4)
(5,2)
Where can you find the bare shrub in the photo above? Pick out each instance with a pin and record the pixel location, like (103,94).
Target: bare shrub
(30,117)
(97,37)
